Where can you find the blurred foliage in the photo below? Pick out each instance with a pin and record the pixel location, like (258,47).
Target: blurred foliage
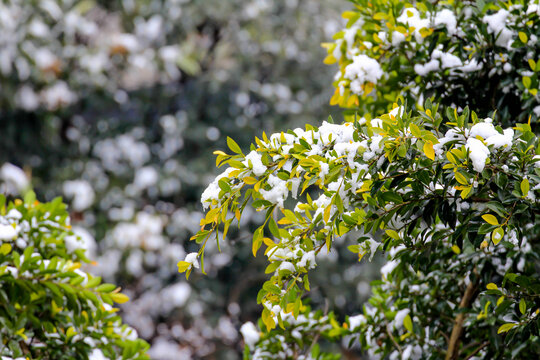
(119,111)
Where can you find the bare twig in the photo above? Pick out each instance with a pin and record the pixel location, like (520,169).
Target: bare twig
(483,345)
(452,351)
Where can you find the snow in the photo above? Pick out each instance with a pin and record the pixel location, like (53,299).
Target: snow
(411,17)
(278,191)
(58,95)
(397,38)
(389,267)
(212,191)
(192,259)
(424,69)
(146,177)
(356,321)
(362,70)
(81,239)
(447,18)
(250,334)
(400,316)
(97,354)
(15,178)
(256,163)
(308,260)
(478,153)
(82,193)
(397,110)
(177,294)
(7,232)
(497,26)
(439,59)
(14,214)
(285,265)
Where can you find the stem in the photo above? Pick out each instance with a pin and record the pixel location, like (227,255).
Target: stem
(483,345)
(452,352)
(393,340)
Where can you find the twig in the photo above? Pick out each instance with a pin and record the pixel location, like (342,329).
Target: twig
(483,345)
(452,352)
(393,340)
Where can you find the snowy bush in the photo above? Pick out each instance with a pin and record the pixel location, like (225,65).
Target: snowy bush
(465,53)
(51,306)
(452,202)
(436,165)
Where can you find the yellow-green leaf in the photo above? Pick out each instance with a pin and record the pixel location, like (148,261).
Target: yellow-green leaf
(428,150)
(505,328)
(5,249)
(250,180)
(465,192)
(233,145)
(522,306)
(257,241)
(393,234)
(119,298)
(491,286)
(490,219)
(461,178)
(497,235)
(524,187)
(456,249)
(532,64)
(407,322)
(523,37)
(183,266)
(526,82)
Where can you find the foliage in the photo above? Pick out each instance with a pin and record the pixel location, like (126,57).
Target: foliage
(441,49)
(453,203)
(449,195)
(49,307)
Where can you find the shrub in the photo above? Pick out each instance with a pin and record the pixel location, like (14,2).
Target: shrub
(477,54)
(49,306)
(449,194)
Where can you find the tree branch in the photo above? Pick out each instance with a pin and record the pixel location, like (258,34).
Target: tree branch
(452,351)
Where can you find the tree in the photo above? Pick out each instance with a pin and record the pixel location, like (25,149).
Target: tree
(448,193)
(50,308)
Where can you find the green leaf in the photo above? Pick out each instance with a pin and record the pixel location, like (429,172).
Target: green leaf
(461,178)
(271,288)
(273,228)
(107,288)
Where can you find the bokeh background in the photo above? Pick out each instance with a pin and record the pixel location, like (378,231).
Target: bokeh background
(117,107)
